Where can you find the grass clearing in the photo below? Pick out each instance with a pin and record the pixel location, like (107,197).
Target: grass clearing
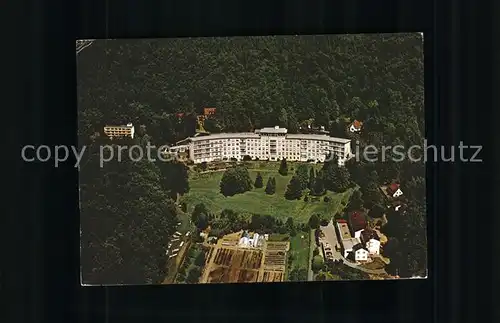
(299,248)
(204,188)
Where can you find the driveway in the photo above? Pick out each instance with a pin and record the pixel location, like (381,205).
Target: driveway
(330,236)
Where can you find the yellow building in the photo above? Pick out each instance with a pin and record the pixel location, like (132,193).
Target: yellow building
(119,131)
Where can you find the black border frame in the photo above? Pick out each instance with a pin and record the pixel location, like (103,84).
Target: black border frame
(42,279)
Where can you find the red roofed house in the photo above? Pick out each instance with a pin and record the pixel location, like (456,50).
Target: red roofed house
(394,190)
(357,221)
(356,126)
(208,111)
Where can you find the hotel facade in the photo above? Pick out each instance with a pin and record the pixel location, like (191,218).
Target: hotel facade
(264,144)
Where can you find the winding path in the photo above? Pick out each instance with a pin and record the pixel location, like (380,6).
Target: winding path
(380,271)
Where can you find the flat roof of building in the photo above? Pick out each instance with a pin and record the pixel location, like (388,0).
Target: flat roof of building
(246,135)
(250,135)
(349,243)
(120,126)
(344,230)
(272,130)
(306,136)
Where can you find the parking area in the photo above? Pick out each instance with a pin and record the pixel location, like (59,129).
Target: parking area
(328,239)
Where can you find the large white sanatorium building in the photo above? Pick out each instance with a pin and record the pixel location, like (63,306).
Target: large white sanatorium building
(266,143)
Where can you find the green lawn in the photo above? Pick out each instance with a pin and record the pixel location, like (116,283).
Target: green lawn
(299,247)
(204,188)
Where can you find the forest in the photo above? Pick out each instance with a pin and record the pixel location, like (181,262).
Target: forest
(255,82)
(128,209)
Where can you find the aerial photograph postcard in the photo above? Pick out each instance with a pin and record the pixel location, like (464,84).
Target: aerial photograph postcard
(263,159)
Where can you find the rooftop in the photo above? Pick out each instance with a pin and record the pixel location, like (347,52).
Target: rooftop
(256,135)
(246,135)
(307,136)
(275,129)
(344,230)
(393,187)
(128,125)
(357,247)
(350,243)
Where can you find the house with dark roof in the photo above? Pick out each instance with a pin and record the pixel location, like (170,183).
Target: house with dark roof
(357,220)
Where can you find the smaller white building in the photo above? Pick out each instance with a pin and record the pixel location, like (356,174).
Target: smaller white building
(255,239)
(373,247)
(399,192)
(349,244)
(361,254)
(394,190)
(266,236)
(355,126)
(245,242)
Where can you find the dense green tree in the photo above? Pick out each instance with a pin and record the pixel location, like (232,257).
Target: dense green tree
(335,178)
(317,263)
(200,259)
(283,170)
(312,179)
(202,221)
(235,181)
(294,189)
(318,187)
(377,211)
(356,202)
(302,174)
(298,274)
(127,219)
(193,275)
(199,210)
(372,195)
(259,182)
(314,221)
(271,186)
(415,188)
(391,247)
(174,177)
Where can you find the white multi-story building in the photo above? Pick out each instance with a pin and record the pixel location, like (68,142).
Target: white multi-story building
(267,143)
